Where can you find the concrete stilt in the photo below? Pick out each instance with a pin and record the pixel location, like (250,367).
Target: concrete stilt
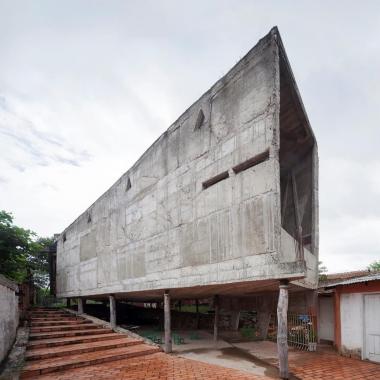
(216,318)
(197,312)
(235,319)
(80,306)
(112,312)
(167,324)
(282,330)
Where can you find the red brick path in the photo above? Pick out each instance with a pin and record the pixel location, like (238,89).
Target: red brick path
(63,346)
(157,366)
(102,354)
(330,365)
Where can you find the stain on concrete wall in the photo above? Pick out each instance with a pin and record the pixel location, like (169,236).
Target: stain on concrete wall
(8,315)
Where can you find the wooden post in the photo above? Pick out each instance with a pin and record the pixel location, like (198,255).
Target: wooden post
(216,318)
(168,332)
(80,306)
(282,330)
(68,302)
(112,312)
(337,321)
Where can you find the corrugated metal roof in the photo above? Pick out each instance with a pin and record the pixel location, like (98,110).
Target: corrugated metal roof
(334,278)
(370,277)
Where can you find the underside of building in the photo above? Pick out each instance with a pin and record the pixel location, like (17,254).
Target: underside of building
(223,204)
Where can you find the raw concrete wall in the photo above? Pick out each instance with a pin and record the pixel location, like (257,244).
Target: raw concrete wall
(8,315)
(158,227)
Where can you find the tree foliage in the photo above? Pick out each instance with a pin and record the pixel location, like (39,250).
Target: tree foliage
(374,267)
(322,270)
(22,252)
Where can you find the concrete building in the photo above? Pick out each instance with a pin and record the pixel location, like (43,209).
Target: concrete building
(224,203)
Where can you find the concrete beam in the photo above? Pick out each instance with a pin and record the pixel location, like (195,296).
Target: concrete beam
(167,323)
(112,311)
(282,330)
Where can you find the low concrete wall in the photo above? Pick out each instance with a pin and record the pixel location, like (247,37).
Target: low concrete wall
(8,315)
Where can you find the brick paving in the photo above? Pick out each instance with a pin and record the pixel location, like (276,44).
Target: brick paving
(114,356)
(330,365)
(63,346)
(61,341)
(157,366)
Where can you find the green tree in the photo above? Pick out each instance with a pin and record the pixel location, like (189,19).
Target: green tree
(374,267)
(322,270)
(22,252)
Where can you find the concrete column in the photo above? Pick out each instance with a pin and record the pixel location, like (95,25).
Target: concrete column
(282,329)
(235,318)
(216,318)
(112,312)
(80,306)
(264,311)
(168,332)
(197,312)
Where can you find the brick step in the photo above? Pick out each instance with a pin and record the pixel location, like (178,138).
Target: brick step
(61,334)
(80,348)
(44,314)
(68,316)
(48,311)
(35,368)
(50,317)
(77,326)
(57,342)
(64,322)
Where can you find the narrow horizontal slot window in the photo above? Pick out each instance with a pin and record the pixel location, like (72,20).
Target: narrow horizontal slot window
(214,180)
(258,159)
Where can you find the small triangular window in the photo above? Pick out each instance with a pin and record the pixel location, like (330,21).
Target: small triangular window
(200,119)
(129,185)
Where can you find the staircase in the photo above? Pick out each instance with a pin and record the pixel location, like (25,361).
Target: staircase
(59,340)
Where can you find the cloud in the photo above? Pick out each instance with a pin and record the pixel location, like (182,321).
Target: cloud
(25,146)
(85,90)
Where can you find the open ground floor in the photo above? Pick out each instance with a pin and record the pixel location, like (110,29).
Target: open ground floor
(245,361)
(65,346)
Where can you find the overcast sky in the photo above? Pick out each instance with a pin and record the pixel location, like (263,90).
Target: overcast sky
(87,86)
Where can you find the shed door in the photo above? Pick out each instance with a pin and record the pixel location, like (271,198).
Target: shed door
(372,327)
(326,318)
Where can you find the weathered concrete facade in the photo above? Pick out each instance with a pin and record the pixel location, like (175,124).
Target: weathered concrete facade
(8,315)
(227,195)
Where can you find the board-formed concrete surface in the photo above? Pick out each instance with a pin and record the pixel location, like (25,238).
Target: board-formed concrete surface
(8,315)
(209,203)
